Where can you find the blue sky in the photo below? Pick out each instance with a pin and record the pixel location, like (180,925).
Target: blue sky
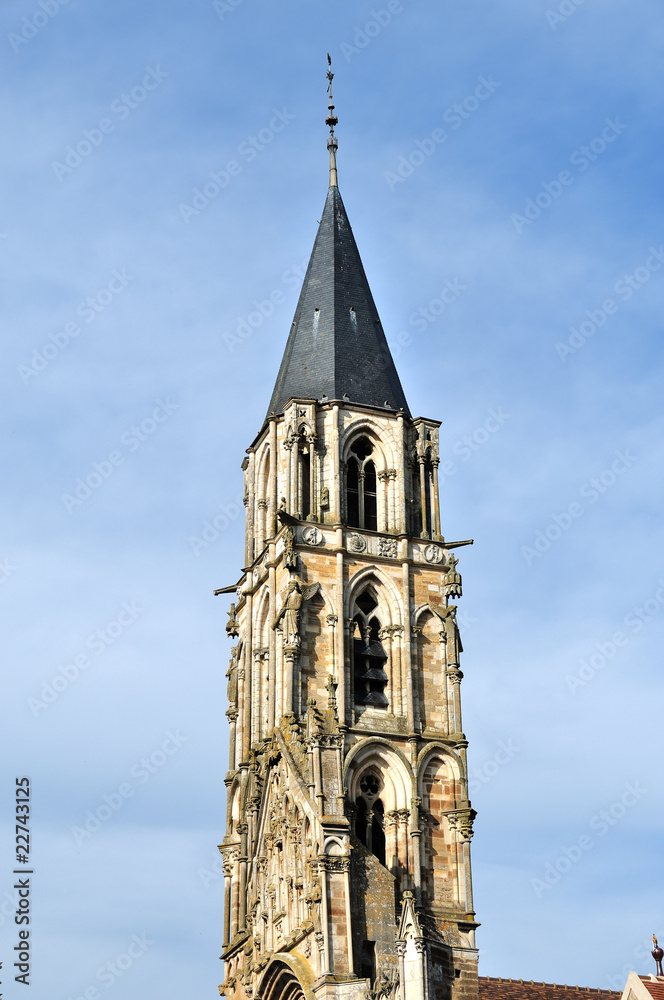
(510,150)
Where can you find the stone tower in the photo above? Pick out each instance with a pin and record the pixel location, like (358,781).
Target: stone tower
(347,847)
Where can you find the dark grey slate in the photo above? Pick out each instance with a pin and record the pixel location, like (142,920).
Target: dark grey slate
(336,347)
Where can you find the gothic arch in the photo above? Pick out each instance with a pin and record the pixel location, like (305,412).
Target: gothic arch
(389,607)
(382,756)
(444,751)
(363,426)
(234,809)
(287,977)
(441,792)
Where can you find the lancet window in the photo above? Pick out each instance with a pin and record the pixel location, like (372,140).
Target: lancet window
(370,816)
(305,470)
(369,656)
(425,501)
(361,499)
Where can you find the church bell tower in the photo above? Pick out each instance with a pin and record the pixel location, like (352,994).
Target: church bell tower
(347,847)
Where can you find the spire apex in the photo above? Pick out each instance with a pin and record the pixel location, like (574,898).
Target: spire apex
(331,120)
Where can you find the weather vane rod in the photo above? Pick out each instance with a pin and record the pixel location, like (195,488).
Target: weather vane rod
(331,120)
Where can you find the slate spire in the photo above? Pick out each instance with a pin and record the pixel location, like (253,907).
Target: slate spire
(337,348)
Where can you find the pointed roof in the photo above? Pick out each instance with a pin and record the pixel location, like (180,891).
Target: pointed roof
(337,347)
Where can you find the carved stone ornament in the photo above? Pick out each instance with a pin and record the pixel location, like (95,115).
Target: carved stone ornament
(356,543)
(433,554)
(387,547)
(312,535)
(232,625)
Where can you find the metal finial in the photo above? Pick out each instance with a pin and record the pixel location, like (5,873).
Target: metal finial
(658,955)
(331,120)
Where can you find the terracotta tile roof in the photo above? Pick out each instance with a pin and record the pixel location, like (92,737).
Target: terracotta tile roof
(519,989)
(655,987)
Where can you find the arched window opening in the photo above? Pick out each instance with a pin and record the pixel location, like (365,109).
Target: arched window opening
(361,494)
(378,831)
(305,466)
(353,493)
(370,816)
(361,821)
(368,961)
(416,509)
(428,505)
(369,656)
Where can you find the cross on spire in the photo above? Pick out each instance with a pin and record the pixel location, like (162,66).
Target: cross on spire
(331,120)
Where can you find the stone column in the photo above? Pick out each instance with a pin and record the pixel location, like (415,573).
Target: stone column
(291,472)
(400,483)
(383,520)
(408,685)
(349,924)
(248,692)
(392,843)
(401,952)
(405,855)
(272,641)
(335,480)
(232,718)
(435,502)
(325,921)
(423,497)
(342,676)
(273,495)
(312,478)
(391,500)
(456,676)
(243,829)
(228,871)
(416,837)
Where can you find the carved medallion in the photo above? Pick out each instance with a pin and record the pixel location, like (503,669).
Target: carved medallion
(312,535)
(356,543)
(433,554)
(387,547)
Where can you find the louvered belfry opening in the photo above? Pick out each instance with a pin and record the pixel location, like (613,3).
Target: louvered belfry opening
(369,656)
